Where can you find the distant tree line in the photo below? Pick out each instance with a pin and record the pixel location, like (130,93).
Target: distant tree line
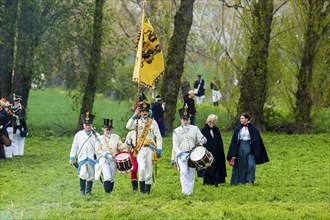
(276,50)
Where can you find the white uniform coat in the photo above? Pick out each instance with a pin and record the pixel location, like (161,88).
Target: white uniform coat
(144,157)
(153,134)
(184,139)
(83,146)
(110,144)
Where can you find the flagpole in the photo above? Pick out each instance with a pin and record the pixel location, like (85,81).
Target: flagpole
(144,2)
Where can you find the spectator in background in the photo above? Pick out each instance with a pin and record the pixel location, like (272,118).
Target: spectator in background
(247,150)
(216,95)
(20,127)
(4,118)
(199,89)
(190,103)
(158,114)
(184,89)
(10,130)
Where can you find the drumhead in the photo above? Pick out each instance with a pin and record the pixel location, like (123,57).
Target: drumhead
(197,153)
(122,156)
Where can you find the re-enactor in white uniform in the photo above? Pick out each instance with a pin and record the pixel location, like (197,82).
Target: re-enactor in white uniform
(83,147)
(185,138)
(107,147)
(151,147)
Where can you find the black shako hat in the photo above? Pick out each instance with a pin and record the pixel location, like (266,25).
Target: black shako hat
(183,112)
(107,123)
(87,118)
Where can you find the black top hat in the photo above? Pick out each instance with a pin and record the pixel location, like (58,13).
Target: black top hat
(183,112)
(87,118)
(107,123)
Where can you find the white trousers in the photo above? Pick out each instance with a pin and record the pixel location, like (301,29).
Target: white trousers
(86,172)
(187,176)
(109,169)
(9,149)
(199,100)
(216,95)
(144,160)
(18,144)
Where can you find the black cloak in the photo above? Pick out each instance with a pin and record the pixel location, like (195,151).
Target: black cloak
(216,173)
(257,145)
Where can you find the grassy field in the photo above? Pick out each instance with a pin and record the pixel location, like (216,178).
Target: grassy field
(41,185)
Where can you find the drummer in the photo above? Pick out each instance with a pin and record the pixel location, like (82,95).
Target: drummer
(185,138)
(130,144)
(107,147)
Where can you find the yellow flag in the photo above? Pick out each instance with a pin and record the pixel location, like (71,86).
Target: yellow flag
(149,56)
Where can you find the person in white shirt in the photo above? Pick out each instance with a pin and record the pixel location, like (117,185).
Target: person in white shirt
(185,138)
(107,147)
(83,147)
(149,143)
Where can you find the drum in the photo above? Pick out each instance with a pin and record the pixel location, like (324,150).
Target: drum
(201,157)
(124,162)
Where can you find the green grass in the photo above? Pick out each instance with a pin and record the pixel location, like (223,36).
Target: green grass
(42,185)
(294,185)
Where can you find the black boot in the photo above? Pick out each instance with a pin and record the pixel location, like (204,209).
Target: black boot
(142,186)
(111,186)
(148,187)
(107,187)
(89,187)
(82,187)
(135,185)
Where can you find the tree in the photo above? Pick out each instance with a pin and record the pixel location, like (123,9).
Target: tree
(94,66)
(28,36)
(317,24)
(253,78)
(7,42)
(175,60)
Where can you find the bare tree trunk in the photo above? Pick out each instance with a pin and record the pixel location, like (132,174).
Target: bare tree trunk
(94,66)
(7,33)
(315,18)
(175,60)
(27,41)
(253,79)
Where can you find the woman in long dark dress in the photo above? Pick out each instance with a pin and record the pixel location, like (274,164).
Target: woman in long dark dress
(216,173)
(248,150)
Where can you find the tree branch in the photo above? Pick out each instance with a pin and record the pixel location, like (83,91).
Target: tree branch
(280,6)
(281,32)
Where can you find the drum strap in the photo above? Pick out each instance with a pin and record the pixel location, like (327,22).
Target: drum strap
(106,143)
(143,136)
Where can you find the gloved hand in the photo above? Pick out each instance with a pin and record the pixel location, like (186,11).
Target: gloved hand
(182,157)
(108,155)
